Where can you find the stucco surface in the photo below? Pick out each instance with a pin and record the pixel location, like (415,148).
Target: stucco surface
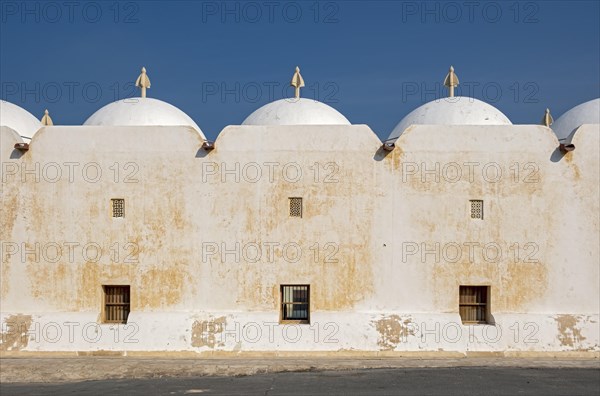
(385,239)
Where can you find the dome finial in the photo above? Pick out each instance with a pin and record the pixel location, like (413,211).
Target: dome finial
(46,120)
(451,81)
(297,82)
(547,120)
(143,82)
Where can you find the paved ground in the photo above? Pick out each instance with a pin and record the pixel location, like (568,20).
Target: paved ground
(400,381)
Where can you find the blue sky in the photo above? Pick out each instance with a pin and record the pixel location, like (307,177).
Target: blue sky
(374,61)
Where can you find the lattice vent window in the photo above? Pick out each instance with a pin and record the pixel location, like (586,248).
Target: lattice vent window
(295,207)
(477,209)
(118,207)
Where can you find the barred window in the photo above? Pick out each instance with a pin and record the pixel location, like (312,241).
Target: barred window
(295,303)
(295,207)
(473,304)
(118,207)
(116,304)
(477,209)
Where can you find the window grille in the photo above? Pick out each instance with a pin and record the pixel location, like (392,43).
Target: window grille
(473,304)
(116,304)
(295,303)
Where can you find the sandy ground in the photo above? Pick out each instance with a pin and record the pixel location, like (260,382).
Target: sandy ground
(73,369)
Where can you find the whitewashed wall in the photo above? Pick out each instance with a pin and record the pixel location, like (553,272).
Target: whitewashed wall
(207,239)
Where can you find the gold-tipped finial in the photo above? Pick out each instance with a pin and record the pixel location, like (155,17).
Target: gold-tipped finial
(143,82)
(297,82)
(46,120)
(451,81)
(547,120)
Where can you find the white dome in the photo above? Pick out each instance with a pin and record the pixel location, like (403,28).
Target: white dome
(18,119)
(141,112)
(459,110)
(294,111)
(585,113)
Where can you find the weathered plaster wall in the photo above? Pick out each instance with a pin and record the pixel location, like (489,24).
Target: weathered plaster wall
(207,238)
(518,247)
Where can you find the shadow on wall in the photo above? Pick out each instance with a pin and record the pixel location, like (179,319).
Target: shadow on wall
(201,153)
(557,155)
(16,154)
(381,153)
(564,147)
